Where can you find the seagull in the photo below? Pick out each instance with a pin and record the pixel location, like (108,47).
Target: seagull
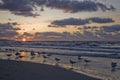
(72,62)
(32,53)
(8,55)
(17,53)
(57,59)
(79,58)
(86,61)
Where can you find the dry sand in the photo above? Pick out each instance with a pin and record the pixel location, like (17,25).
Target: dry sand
(18,70)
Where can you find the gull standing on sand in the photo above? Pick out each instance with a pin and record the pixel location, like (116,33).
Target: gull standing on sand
(72,62)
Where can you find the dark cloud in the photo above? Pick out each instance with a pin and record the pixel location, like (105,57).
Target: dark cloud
(8,26)
(27,34)
(113,28)
(102,34)
(107,32)
(27,7)
(18,7)
(76,6)
(48,34)
(70,21)
(53,36)
(7,31)
(89,27)
(106,36)
(24,35)
(103,29)
(56,26)
(101,20)
(75,21)
(26,14)
(13,23)
(64,36)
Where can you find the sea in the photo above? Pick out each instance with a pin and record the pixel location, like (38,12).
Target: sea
(94,58)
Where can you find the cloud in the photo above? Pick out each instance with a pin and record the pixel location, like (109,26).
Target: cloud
(18,7)
(27,7)
(107,32)
(64,36)
(56,26)
(113,28)
(103,33)
(78,22)
(48,34)
(14,23)
(25,35)
(7,31)
(77,6)
(70,21)
(52,36)
(101,20)
(8,26)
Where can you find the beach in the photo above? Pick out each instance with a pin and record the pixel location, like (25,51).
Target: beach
(67,62)
(21,70)
(59,40)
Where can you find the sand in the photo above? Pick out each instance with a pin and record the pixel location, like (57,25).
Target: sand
(19,70)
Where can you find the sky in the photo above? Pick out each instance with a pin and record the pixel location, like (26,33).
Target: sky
(60,20)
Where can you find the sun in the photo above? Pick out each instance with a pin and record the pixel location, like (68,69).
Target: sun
(23,39)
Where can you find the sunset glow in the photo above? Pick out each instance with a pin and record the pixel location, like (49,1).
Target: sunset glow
(59,20)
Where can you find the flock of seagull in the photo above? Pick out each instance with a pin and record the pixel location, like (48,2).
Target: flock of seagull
(45,56)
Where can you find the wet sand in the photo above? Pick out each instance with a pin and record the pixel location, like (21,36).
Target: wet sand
(18,70)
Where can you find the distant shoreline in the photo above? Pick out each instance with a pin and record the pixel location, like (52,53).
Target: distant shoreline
(60,41)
